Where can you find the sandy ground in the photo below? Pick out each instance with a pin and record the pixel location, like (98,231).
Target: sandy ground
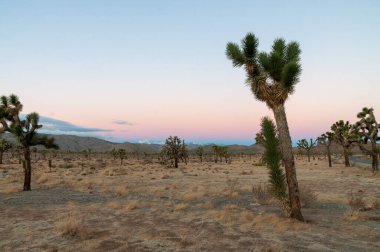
(143,206)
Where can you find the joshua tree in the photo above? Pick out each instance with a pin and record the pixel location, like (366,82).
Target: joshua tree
(223,152)
(304,144)
(345,134)
(4,146)
(272,158)
(326,140)
(174,151)
(272,77)
(184,152)
(113,153)
(368,131)
(200,152)
(122,154)
(24,131)
(259,138)
(216,149)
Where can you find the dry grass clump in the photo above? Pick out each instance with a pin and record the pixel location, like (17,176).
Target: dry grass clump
(180,207)
(231,190)
(121,190)
(132,204)
(70,225)
(262,193)
(43,178)
(196,193)
(374,203)
(307,196)
(278,224)
(114,205)
(356,201)
(246,216)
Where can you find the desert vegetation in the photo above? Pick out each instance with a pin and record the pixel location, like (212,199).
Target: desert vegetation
(188,197)
(273,77)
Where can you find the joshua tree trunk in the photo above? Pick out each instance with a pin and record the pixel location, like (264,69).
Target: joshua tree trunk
(346,157)
(27,169)
(329,156)
(1,157)
(287,155)
(308,155)
(175,162)
(375,160)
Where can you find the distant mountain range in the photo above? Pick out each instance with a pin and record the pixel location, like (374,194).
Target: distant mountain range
(78,143)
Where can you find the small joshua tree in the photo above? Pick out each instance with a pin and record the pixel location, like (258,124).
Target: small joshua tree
(113,153)
(4,146)
(326,140)
(23,130)
(368,131)
(272,158)
(173,151)
(346,135)
(308,146)
(121,154)
(200,153)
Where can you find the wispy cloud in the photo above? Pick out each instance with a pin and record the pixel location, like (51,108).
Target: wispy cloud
(54,126)
(122,122)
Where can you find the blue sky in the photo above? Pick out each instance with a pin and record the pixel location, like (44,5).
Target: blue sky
(160,66)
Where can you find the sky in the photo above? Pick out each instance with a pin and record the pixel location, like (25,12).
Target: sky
(140,71)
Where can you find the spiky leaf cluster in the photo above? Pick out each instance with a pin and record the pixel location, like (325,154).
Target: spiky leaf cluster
(272,157)
(326,138)
(24,130)
(345,133)
(368,126)
(304,144)
(272,76)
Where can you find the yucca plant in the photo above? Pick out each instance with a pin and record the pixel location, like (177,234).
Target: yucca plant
(368,131)
(272,158)
(272,78)
(346,135)
(308,146)
(24,130)
(326,140)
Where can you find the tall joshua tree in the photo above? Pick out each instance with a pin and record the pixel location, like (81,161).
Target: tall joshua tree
(272,78)
(368,131)
(308,146)
(24,130)
(4,146)
(326,140)
(346,135)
